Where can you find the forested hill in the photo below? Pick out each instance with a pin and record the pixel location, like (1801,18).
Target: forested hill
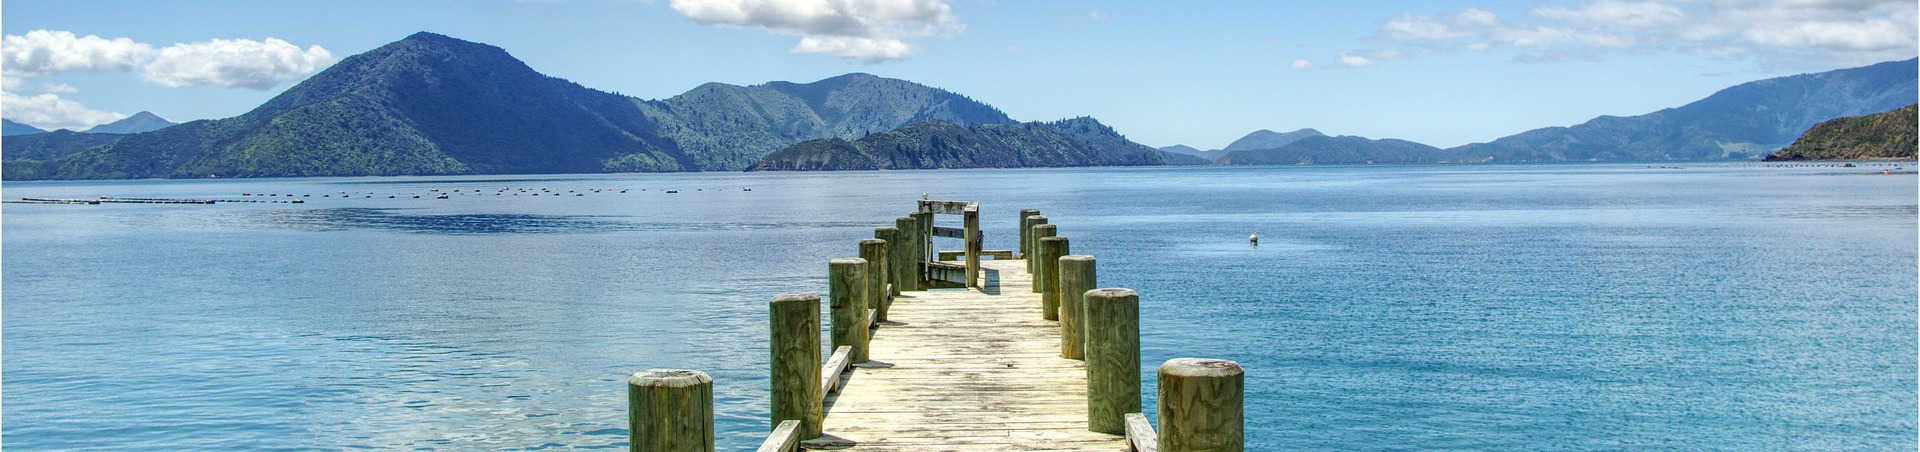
(941,144)
(432,104)
(1879,136)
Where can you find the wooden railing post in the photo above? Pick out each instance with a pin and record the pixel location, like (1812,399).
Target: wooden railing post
(1201,406)
(1033,244)
(924,249)
(971,222)
(670,410)
(1024,224)
(795,346)
(1041,230)
(875,253)
(1076,278)
(907,252)
(1113,358)
(1048,276)
(846,290)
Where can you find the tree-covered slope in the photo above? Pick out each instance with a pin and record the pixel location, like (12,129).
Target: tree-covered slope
(1885,135)
(431,104)
(1743,121)
(1337,150)
(942,144)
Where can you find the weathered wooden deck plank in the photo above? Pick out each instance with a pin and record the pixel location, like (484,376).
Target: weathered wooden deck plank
(972,370)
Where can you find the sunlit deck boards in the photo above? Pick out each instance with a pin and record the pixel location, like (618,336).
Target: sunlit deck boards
(973,370)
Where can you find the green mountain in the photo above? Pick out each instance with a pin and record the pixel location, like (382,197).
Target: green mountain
(10,128)
(1879,136)
(431,104)
(1268,139)
(940,144)
(1336,150)
(52,145)
(139,122)
(1744,121)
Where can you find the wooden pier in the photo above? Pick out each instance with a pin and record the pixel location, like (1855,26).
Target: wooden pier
(942,350)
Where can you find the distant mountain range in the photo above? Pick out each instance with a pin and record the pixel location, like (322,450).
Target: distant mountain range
(9,128)
(139,122)
(940,144)
(1879,136)
(431,104)
(1741,122)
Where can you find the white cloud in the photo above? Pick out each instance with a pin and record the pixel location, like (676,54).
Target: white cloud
(1301,65)
(866,30)
(241,63)
(49,111)
(42,52)
(1350,60)
(1807,33)
(1616,13)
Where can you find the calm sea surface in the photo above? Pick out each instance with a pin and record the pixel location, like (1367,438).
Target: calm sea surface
(1402,307)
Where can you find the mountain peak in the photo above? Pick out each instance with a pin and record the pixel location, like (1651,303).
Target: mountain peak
(1268,139)
(139,122)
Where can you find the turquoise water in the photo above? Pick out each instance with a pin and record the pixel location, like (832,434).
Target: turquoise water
(1404,307)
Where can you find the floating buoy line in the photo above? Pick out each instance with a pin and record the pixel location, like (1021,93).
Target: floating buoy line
(251,197)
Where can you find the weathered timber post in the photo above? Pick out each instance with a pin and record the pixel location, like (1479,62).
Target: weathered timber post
(1024,224)
(1113,359)
(971,222)
(795,346)
(1200,405)
(1048,278)
(890,234)
(670,410)
(1033,244)
(909,268)
(846,290)
(1041,230)
(875,252)
(1076,278)
(925,249)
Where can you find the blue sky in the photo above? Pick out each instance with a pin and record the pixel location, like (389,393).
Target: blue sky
(1439,72)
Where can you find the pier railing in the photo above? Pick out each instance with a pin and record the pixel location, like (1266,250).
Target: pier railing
(1200,400)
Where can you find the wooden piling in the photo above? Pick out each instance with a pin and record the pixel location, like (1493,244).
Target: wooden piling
(890,234)
(1201,405)
(1040,230)
(670,410)
(846,290)
(1113,358)
(1032,246)
(1048,277)
(1076,278)
(971,224)
(875,253)
(1024,224)
(795,346)
(909,263)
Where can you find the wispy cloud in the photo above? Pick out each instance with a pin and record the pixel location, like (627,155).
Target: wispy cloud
(232,63)
(1818,32)
(864,30)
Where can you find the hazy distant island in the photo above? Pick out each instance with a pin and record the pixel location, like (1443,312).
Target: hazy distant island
(431,104)
(1880,136)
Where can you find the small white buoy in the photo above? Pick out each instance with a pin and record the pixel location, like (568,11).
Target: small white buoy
(1254,239)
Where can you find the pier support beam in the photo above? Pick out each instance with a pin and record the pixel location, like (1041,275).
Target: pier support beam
(874,251)
(846,288)
(670,410)
(890,234)
(1113,359)
(1048,277)
(1032,247)
(795,344)
(1201,405)
(971,223)
(1041,230)
(1076,278)
(1024,224)
(907,250)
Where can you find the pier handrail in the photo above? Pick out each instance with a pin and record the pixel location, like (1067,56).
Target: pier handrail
(785,438)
